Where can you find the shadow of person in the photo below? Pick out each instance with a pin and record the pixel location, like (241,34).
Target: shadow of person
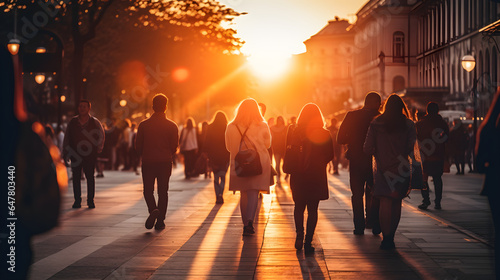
(310,267)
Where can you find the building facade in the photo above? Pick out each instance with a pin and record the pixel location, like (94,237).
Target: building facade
(329,64)
(384,52)
(447,30)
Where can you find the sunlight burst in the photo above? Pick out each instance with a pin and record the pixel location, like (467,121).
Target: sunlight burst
(269,66)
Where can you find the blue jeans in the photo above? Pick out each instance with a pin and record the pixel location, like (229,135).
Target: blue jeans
(219,182)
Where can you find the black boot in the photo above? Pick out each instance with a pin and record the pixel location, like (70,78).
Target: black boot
(299,240)
(308,248)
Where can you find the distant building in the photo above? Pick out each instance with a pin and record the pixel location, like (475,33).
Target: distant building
(446,31)
(410,47)
(329,64)
(384,59)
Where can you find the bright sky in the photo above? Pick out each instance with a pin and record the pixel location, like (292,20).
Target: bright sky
(275,29)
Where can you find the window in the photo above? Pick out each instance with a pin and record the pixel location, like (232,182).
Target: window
(398,48)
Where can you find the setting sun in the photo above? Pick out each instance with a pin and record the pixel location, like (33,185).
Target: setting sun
(268,67)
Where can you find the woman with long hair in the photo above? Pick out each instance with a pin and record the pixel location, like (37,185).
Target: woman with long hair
(310,184)
(250,123)
(218,156)
(391,140)
(188,143)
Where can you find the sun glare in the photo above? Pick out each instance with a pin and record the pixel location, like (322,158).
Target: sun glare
(268,67)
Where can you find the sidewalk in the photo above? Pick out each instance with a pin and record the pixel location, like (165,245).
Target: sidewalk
(203,240)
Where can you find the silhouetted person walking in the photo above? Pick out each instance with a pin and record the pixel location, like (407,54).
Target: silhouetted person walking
(334,130)
(458,145)
(310,184)
(278,139)
(391,140)
(189,146)
(488,162)
(156,142)
(218,155)
(432,133)
(352,132)
(250,127)
(84,139)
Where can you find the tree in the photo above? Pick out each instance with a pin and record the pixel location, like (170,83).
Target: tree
(196,22)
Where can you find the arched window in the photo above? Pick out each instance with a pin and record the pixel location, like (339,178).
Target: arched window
(398,83)
(398,46)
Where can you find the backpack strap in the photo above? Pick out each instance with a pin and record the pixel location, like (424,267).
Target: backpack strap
(243,136)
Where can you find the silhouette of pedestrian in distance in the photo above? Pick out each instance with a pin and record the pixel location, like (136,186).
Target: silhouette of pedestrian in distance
(249,118)
(83,141)
(278,139)
(188,142)
(391,140)
(218,155)
(156,142)
(352,132)
(458,145)
(334,130)
(310,185)
(488,162)
(432,134)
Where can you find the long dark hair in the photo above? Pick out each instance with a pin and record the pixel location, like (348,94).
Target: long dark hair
(310,117)
(219,122)
(395,114)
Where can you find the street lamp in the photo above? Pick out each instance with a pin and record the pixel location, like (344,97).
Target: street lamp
(13,46)
(39,78)
(468,63)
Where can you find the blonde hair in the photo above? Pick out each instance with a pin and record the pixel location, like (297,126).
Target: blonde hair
(248,112)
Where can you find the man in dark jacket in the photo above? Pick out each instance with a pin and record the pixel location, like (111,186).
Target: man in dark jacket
(84,139)
(432,133)
(352,132)
(156,142)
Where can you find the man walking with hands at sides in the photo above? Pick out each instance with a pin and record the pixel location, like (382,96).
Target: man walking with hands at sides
(84,139)
(156,142)
(352,132)
(432,133)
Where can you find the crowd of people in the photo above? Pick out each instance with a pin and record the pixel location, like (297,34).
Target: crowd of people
(207,148)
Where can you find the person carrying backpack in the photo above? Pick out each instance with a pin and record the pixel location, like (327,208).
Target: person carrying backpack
(248,137)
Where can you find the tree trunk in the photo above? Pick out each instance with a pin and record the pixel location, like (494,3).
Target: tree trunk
(77,71)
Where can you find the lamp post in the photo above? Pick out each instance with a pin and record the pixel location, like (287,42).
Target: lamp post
(469,63)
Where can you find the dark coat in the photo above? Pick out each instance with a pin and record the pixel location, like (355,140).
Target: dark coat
(312,184)
(353,131)
(432,133)
(458,140)
(215,146)
(157,139)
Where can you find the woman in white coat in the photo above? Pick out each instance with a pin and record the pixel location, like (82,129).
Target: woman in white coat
(248,118)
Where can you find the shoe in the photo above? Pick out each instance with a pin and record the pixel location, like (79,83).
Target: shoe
(219,200)
(424,206)
(248,229)
(359,232)
(91,204)
(437,206)
(160,224)
(299,241)
(77,205)
(308,249)
(387,245)
(99,176)
(376,230)
(150,221)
